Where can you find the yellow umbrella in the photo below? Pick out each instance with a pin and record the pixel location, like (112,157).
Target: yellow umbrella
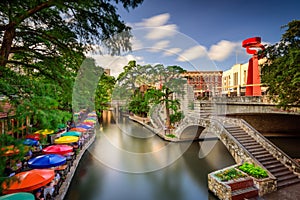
(45,131)
(66,140)
(90,120)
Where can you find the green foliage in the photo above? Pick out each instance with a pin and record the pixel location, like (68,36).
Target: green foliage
(176,117)
(103,92)
(5,142)
(253,170)
(138,105)
(229,174)
(281,71)
(171,135)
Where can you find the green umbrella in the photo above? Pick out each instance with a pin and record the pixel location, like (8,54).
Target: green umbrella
(18,196)
(71,133)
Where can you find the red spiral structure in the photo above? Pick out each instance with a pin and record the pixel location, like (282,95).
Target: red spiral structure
(253,76)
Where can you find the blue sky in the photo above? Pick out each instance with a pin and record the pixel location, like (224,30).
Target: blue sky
(200,35)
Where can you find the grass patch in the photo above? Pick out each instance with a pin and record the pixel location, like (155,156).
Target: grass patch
(171,135)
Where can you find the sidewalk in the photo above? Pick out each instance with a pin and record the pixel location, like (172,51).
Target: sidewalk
(287,193)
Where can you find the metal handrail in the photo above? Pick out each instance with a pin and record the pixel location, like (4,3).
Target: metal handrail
(242,147)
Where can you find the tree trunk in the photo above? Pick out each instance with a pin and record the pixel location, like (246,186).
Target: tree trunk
(168,120)
(8,37)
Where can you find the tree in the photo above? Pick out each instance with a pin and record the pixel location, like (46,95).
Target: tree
(281,71)
(168,80)
(103,93)
(42,47)
(50,28)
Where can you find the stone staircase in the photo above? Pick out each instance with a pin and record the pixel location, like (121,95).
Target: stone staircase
(243,189)
(283,174)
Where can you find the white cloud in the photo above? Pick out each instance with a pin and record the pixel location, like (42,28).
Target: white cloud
(172,51)
(222,50)
(115,63)
(136,43)
(162,32)
(192,53)
(155,21)
(159,46)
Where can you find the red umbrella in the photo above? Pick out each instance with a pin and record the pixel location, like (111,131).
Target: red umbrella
(35,136)
(29,181)
(58,149)
(79,129)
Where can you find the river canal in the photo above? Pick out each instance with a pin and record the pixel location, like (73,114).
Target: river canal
(116,166)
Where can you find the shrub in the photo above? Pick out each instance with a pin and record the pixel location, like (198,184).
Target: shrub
(229,174)
(252,170)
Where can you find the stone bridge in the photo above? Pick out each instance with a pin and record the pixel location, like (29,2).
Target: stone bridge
(246,144)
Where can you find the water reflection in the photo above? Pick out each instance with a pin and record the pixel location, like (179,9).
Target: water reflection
(185,178)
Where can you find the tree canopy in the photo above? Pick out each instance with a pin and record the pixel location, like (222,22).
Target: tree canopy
(43,45)
(160,83)
(281,71)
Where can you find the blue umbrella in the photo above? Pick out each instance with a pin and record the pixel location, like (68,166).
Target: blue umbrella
(46,161)
(84,126)
(30,142)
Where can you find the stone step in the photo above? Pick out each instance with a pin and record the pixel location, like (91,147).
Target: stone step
(242,136)
(278,169)
(269,162)
(252,150)
(260,152)
(241,184)
(237,131)
(247,144)
(287,182)
(265,158)
(246,193)
(246,140)
(281,173)
(272,166)
(286,177)
(254,147)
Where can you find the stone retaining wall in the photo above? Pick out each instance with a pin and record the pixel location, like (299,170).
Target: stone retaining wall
(65,185)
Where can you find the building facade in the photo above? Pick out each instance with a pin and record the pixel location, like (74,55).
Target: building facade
(234,80)
(205,83)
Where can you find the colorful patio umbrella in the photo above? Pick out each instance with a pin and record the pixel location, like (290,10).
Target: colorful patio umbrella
(88,123)
(90,120)
(61,149)
(18,196)
(35,136)
(78,129)
(66,140)
(72,133)
(29,181)
(45,131)
(30,142)
(92,114)
(46,161)
(85,126)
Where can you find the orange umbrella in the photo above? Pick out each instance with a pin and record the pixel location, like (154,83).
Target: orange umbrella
(83,130)
(29,181)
